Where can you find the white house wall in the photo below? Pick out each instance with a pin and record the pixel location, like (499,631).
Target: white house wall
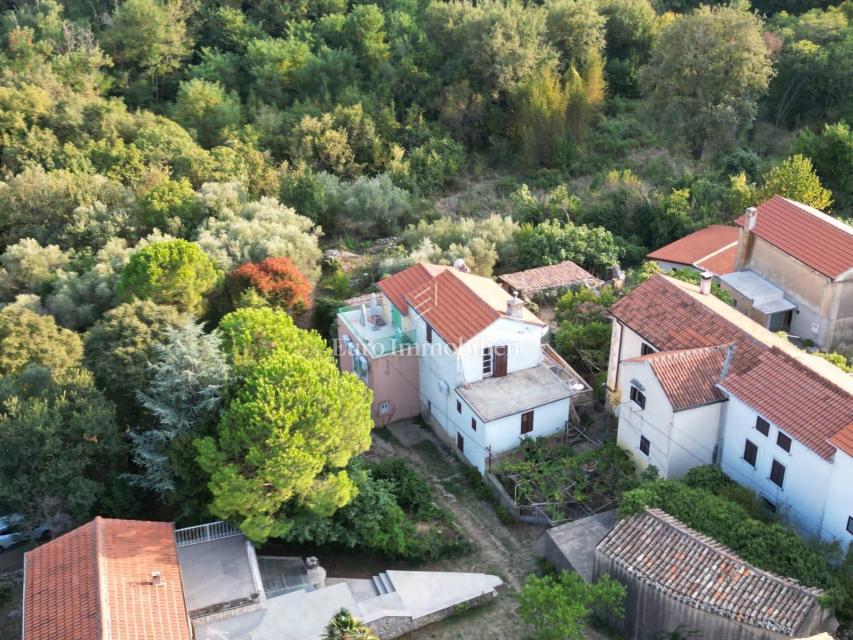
(625,344)
(523,342)
(695,435)
(807,476)
(839,500)
(654,422)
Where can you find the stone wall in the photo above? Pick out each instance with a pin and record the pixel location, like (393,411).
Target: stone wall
(394,626)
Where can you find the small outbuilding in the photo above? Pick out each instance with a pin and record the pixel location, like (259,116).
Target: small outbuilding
(550,279)
(676,577)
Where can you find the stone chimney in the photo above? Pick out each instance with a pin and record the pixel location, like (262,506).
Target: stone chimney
(459,265)
(514,306)
(705,283)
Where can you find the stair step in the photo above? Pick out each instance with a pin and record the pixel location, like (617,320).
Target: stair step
(380,586)
(386,581)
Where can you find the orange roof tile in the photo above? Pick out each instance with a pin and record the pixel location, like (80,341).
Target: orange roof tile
(817,240)
(714,247)
(806,405)
(550,276)
(689,377)
(95,582)
(399,285)
(844,440)
(803,404)
(720,263)
(460,305)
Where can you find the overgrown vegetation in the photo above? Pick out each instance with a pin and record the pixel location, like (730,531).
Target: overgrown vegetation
(710,502)
(567,484)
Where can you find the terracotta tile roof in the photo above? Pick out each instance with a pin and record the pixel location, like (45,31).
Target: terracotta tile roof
(712,248)
(801,403)
(844,439)
(817,240)
(807,405)
(689,377)
(460,305)
(402,283)
(720,263)
(551,276)
(95,582)
(685,565)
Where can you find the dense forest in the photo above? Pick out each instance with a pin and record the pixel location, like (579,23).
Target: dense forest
(173,174)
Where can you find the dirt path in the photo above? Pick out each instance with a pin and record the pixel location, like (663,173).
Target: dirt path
(501,549)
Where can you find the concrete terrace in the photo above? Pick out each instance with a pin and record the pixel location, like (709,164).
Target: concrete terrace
(498,397)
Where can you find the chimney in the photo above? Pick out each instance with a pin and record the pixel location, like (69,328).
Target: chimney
(751,218)
(156,580)
(705,283)
(459,265)
(514,306)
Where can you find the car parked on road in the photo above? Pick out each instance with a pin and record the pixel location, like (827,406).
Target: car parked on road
(13,531)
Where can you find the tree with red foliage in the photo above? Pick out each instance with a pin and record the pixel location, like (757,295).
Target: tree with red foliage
(276,280)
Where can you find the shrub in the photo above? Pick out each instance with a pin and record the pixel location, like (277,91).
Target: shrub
(277,280)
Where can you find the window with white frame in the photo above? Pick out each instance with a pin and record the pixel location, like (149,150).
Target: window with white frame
(488,361)
(638,397)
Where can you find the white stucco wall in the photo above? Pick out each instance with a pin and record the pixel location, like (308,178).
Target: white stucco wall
(625,344)
(803,495)
(679,440)
(839,501)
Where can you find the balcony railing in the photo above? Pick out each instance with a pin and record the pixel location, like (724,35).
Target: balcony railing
(205,533)
(375,340)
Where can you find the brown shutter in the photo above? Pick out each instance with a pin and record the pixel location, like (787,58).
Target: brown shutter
(527,422)
(500,361)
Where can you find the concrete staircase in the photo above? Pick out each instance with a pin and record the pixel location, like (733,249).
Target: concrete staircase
(382,584)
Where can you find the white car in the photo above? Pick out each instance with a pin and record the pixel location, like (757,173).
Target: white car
(12,531)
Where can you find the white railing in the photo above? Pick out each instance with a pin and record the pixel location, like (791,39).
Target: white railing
(205,533)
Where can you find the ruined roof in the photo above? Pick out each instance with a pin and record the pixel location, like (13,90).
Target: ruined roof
(564,274)
(806,397)
(96,582)
(689,377)
(712,248)
(698,571)
(817,240)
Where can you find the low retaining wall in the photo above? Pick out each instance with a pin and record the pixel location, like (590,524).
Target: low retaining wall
(519,513)
(394,627)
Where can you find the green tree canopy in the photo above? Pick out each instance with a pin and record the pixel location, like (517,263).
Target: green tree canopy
(59,445)
(560,606)
(552,242)
(284,441)
(119,346)
(29,338)
(173,272)
(795,178)
(249,335)
(706,74)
